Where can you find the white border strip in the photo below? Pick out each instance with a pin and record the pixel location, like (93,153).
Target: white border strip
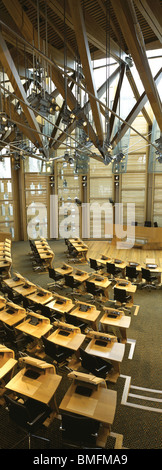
(132,342)
(126,393)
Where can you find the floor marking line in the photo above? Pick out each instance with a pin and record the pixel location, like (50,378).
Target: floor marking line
(126,394)
(146,389)
(148,408)
(126,388)
(142,397)
(132,342)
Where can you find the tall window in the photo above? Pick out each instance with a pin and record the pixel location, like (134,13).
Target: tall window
(6,197)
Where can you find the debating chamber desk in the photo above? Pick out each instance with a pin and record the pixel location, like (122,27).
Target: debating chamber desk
(100,405)
(12,314)
(86,312)
(106,346)
(114,320)
(37,380)
(68,336)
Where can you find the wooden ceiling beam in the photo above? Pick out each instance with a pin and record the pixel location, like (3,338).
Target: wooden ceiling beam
(132,33)
(152,12)
(58,120)
(95,33)
(86,108)
(137,95)
(137,108)
(112,24)
(25,26)
(53,26)
(117,97)
(31,35)
(7,138)
(84,52)
(11,71)
(19,120)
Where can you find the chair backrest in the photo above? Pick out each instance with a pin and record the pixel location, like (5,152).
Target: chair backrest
(146,274)
(131,272)
(70,319)
(79,428)
(93,263)
(147,223)
(50,348)
(51,272)
(119,295)
(90,286)
(88,361)
(69,280)
(10,332)
(110,267)
(18,411)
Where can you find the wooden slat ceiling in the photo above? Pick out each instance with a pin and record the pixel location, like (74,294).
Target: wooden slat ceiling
(104,28)
(92,7)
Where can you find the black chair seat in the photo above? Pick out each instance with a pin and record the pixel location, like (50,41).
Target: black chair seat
(121,296)
(28,415)
(112,269)
(131,272)
(75,321)
(96,365)
(149,278)
(92,289)
(57,353)
(16,340)
(71,282)
(79,431)
(54,275)
(94,265)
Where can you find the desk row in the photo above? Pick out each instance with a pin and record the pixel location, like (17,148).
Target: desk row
(42,254)
(37,382)
(60,339)
(5,258)
(97,286)
(130,269)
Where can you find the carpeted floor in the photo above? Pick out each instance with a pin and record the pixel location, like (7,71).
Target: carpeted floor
(137,420)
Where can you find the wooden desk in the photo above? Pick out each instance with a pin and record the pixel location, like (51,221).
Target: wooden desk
(12,319)
(38,330)
(25,289)
(38,298)
(103,260)
(101,405)
(79,246)
(47,256)
(64,269)
(40,243)
(7,361)
(73,341)
(60,304)
(113,351)
(15,281)
(121,265)
(157,271)
(44,250)
(42,388)
(2,302)
(90,316)
(6,264)
(126,285)
(80,276)
(103,284)
(121,322)
(5,249)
